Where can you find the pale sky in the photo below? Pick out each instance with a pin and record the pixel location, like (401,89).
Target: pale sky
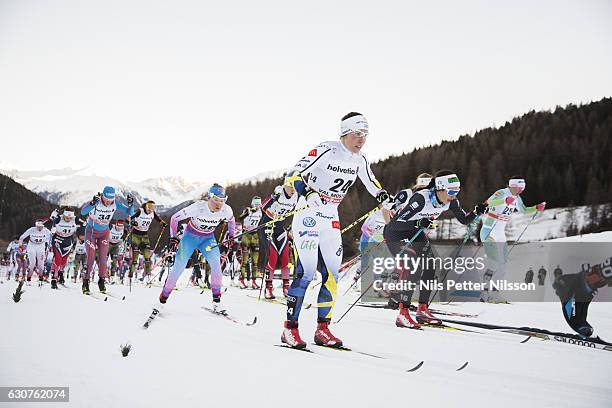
(228,89)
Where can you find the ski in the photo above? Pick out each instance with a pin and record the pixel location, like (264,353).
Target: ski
(150,319)
(227,316)
(273,301)
(447,327)
(414,309)
(343,348)
(567,338)
(340,348)
(445,313)
(98,296)
(416,367)
(110,295)
(294,348)
(420,364)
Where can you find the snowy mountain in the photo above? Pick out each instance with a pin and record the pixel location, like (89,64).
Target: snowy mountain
(73,187)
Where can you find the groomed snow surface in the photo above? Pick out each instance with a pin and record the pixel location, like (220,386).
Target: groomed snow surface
(191,358)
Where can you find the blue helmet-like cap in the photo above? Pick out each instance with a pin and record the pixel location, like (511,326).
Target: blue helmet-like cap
(218,191)
(108,193)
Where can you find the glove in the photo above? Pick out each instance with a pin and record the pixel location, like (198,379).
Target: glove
(313,199)
(510,200)
(481,208)
(95,200)
(230,244)
(540,207)
(54,214)
(269,230)
(424,223)
(382,196)
(130,200)
(163,224)
(174,241)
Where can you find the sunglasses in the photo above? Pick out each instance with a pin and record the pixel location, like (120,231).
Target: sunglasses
(218,199)
(452,193)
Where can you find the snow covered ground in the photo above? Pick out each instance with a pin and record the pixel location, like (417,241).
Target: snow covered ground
(190,358)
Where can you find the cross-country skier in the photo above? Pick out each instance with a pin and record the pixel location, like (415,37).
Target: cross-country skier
(80,257)
(100,211)
(17,256)
(39,240)
(419,214)
(502,204)
(5,266)
(577,290)
(204,217)
(64,229)
(324,177)
(274,239)
(372,228)
(250,218)
(141,222)
(117,236)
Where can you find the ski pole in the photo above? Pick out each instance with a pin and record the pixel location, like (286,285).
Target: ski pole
(516,241)
(159,237)
(365,253)
(289,214)
(358,220)
(404,248)
(457,252)
(158,263)
(344,266)
(524,229)
(268,235)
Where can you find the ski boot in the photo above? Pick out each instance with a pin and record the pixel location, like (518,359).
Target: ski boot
(163,299)
(285,287)
(242,283)
(29,279)
(254,284)
(268,291)
(101,285)
(485,297)
(291,335)
(424,315)
(497,298)
(404,319)
(392,303)
(86,286)
(53,283)
(61,279)
(217,308)
(323,337)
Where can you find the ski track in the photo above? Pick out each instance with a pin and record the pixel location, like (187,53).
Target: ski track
(191,358)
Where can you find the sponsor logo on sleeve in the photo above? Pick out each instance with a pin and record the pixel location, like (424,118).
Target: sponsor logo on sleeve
(312,153)
(336,224)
